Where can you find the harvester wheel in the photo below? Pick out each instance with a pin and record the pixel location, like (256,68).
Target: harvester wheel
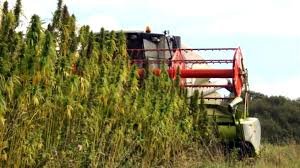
(246,150)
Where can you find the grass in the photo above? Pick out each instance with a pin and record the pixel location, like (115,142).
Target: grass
(271,156)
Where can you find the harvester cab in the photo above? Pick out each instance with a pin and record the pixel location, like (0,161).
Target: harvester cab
(223,81)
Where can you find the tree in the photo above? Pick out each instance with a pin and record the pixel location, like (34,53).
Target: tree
(71,98)
(56,20)
(278,116)
(17,12)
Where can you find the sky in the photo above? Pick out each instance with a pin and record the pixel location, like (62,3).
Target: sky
(268,31)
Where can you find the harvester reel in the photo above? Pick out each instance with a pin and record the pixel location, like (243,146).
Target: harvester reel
(238,72)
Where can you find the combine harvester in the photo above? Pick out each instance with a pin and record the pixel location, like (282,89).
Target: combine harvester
(153,51)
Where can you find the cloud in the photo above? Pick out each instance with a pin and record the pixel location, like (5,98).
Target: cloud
(268,17)
(275,17)
(288,88)
(98,21)
(42,8)
(265,18)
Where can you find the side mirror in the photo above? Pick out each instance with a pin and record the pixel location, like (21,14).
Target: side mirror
(234,103)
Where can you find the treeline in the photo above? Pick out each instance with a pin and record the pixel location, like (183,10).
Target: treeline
(70,98)
(279,117)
